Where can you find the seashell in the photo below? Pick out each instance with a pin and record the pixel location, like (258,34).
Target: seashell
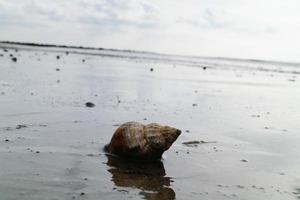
(143,142)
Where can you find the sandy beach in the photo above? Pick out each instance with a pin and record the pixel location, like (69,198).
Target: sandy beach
(245,112)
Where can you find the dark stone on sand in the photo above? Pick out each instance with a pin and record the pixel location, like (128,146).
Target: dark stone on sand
(14,59)
(83,60)
(194,104)
(57,57)
(57,69)
(195,142)
(204,68)
(82,193)
(244,160)
(37,152)
(192,142)
(19,126)
(151,69)
(6,140)
(89,104)
(8,128)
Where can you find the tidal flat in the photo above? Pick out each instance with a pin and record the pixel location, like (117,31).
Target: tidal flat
(59,106)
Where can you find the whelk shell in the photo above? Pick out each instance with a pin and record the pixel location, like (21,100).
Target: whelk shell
(142,142)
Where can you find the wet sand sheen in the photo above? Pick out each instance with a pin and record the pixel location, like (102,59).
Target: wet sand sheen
(51,142)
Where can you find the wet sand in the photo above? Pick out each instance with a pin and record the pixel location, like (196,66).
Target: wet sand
(51,144)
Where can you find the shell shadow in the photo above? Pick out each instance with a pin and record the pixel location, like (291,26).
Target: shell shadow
(150,178)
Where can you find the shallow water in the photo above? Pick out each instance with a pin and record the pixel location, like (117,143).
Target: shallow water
(250,115)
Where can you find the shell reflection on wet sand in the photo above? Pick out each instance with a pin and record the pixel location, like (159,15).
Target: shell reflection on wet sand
(150,178)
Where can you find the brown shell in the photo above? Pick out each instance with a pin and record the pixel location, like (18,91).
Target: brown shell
(143,142)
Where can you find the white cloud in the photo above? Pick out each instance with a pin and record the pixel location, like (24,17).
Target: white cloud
(246,28)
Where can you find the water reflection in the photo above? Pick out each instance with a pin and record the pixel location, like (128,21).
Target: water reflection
(150,178)
(297,193)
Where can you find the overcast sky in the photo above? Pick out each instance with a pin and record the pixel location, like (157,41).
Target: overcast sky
(261,29)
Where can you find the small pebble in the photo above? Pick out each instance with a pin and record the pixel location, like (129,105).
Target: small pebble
(37,152)
(244,160)
(19,126)
(89,104)
(82,193)
(14,59)
(57,57)
(151,69)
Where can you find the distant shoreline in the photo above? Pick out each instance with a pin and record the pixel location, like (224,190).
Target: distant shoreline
(32,44)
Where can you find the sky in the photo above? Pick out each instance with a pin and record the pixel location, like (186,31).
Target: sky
(255,29)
